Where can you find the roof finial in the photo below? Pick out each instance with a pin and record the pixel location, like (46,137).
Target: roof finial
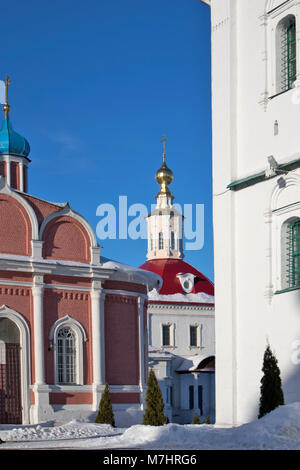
(6,107)
(163,140)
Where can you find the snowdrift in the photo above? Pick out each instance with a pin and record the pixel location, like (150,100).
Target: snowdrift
(277,430)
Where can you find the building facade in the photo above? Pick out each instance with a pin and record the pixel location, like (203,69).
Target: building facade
(180,315)
(70,320)
(256,186)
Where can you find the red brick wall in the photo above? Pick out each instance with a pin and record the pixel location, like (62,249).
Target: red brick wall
(58,304)
(15,227)
(66,239)
(121,340)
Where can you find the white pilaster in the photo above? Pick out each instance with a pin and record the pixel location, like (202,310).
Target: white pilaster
(8,172)
(21,175)
(41,409)
(38,326)
(98,338)
(142,352)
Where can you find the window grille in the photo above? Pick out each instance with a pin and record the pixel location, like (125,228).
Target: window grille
(66,356)
(293,254)
(160,241)
(288,53)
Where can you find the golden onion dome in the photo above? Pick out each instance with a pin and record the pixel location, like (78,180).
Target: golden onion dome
(164,176)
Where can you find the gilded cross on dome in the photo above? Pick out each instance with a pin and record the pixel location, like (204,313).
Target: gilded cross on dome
(163,140)
(6,107)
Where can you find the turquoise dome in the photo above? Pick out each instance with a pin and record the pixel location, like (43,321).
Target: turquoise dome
(12,143)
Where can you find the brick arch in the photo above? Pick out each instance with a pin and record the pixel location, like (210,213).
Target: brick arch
(15,227)
(65,238)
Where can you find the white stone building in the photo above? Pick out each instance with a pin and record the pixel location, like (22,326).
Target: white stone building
(180,315)
(256,186)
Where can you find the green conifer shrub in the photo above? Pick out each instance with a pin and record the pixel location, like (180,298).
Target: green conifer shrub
(105,414)
(154,411)
(271,394)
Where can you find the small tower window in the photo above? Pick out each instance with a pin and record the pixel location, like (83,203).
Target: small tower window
(286,53)
(172,241)
(293,254)
(160,241)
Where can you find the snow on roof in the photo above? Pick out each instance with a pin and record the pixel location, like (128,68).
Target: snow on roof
(159,352)
(198,362)
(200,298)
(131,273)
(191,363)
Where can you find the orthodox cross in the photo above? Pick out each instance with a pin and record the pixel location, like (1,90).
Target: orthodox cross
(163,140)
(6,107)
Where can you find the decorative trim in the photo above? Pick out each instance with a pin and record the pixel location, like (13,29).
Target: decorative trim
(288,289)
(72,295)
(67,211)
(80,337)
(5,189)
(261,176)
(181,307)
(277,7)
(14,291)
(67,321)
(121,299)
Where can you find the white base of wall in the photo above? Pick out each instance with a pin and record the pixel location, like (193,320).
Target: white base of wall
(125,415)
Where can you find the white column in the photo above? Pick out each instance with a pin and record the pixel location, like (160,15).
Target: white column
(38,328)
(8,172)
(142,342)
(21,175)
(98,338)
(41,410)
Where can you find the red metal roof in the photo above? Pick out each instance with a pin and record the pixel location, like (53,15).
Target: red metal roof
(168,269)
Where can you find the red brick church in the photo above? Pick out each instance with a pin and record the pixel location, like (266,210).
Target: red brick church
(70,320)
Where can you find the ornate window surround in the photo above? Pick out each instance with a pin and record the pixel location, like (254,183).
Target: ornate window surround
(80,337)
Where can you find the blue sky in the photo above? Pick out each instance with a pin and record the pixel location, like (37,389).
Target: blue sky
(94,86)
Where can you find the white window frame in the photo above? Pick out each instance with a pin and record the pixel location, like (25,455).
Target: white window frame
(80,337)
(273,18)
(198,335)
(172,334)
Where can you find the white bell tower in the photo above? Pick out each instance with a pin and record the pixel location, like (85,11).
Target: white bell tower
(165,221)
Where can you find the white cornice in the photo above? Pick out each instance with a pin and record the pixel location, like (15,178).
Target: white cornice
(178,309)
(207,2)
(27,264)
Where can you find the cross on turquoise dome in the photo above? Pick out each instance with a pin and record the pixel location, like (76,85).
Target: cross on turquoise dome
(12,143)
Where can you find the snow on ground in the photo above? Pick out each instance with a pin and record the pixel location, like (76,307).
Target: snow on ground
(277,430)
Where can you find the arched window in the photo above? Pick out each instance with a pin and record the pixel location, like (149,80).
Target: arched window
(151,242)
(67,336)
(293,253)
(66,356)
(172,241)
(160,241)
(286,53)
